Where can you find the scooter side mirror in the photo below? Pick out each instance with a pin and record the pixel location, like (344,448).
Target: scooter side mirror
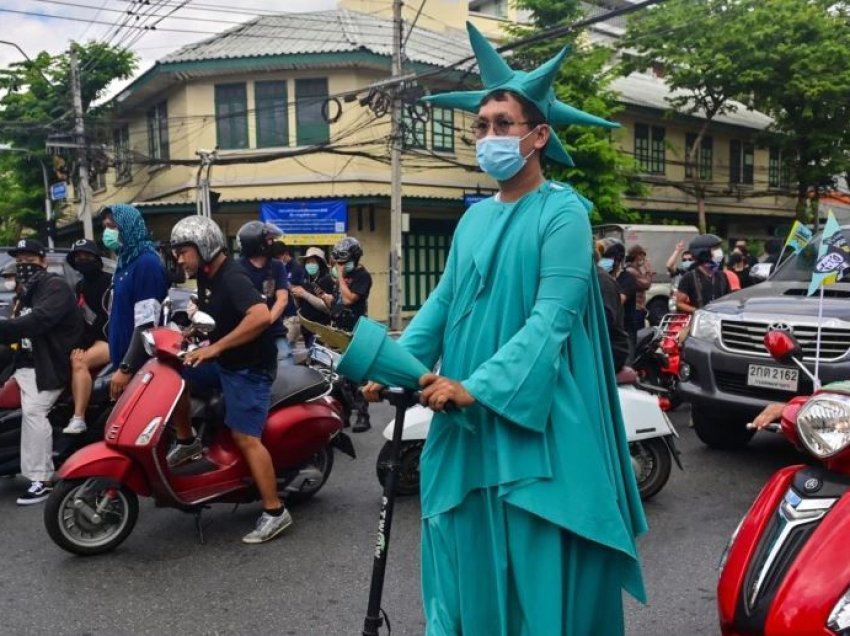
(203,322)
(782,346)
(760,272)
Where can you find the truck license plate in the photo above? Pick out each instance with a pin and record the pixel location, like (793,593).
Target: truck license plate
(773,377)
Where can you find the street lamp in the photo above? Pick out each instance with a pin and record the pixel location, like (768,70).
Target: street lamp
(48,206)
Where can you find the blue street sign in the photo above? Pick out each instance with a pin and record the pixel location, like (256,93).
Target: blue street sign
(322,222)
(469,199)
(58,190)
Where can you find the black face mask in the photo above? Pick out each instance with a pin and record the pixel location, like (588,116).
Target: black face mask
(88,268)
(25,271)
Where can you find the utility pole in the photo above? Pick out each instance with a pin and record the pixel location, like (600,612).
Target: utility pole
(395,175)
(203,205)
(84,213)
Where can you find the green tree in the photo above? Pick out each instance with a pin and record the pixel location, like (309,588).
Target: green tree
(786,58)
(602,173)
(698,42)
(35,103)
(797,71)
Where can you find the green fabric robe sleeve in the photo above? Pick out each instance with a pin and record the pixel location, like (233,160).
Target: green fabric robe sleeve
(518,381)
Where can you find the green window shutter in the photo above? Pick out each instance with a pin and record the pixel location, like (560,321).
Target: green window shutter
(270,102)
(657,151)
(424,255)
(443,129)
(310,97)
(413,128)
(642,147)
(231,116)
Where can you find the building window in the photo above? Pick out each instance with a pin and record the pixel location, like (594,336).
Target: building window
(778,170)
(706,157)
(121,148)
(424,252)
(272,118)
(413,127)
(310,98)
(231,116)
(158,131)
(650,148)
(443,129)
(741,162)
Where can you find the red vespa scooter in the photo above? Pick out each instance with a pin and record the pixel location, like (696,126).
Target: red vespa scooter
(94,506)
(786,571)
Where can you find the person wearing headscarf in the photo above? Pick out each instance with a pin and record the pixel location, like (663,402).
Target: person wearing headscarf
(139,285)
(530,510)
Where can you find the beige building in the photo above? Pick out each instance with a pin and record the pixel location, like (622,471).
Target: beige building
(281,100)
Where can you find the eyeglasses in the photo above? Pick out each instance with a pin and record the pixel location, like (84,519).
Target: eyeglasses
(501,126)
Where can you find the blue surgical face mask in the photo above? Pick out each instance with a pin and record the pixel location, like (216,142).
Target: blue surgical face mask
(111,239)
(349,267)
(500,157)
(312,268)
(607,264)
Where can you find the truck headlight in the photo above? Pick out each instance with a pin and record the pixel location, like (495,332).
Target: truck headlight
(839,618)
(824,424)
(705,325)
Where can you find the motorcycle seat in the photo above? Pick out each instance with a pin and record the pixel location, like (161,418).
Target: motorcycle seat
(295,385)
(627,375)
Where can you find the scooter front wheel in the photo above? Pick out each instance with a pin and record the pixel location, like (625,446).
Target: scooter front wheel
(408,470)
(90,516)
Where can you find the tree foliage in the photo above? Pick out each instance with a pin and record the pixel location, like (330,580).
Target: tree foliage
(36,102)
(787,58)
(602,173)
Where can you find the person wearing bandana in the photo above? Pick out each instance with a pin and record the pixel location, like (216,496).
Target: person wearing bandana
(530,510)
(93,353)
(48,328)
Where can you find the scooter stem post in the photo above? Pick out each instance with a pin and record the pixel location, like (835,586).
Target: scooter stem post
(402,400)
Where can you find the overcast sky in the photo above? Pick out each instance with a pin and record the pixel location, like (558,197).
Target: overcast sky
(37,33)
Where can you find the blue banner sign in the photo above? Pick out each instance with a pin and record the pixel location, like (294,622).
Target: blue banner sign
(320,222)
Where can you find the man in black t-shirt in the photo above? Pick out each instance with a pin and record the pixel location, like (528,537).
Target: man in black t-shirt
(706,281)
(242,353)
(348,304)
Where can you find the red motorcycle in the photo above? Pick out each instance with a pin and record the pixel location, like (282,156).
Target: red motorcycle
(94,506)
(657,357)
(786,571)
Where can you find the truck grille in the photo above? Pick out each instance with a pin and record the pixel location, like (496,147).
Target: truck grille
(748,337)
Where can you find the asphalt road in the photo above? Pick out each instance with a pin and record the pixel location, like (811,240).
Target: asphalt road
(314,580)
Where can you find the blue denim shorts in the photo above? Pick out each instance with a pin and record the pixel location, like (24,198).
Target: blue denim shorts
(246,393)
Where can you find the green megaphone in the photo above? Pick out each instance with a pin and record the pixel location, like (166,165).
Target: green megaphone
(373,355)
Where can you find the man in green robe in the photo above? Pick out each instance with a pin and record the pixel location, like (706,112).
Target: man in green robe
(529,503)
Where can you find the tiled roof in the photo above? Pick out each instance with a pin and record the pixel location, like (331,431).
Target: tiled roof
(336,31)
(649,91)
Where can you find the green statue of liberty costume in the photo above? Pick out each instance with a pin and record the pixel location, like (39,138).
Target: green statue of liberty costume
(529,505)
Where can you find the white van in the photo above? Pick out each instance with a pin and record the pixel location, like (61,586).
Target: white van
(659,241)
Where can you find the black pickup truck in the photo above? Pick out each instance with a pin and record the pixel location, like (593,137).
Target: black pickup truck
(727,374)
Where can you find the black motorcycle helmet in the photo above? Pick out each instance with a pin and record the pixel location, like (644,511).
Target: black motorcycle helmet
(613,248)
(347,249)
(255,238)
(701,246)
(83,245)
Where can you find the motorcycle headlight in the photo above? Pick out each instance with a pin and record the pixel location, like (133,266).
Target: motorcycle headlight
(725,554)
(839,618)
(706,325)
(824,424)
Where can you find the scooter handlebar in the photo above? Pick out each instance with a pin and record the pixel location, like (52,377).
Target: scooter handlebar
(773,427)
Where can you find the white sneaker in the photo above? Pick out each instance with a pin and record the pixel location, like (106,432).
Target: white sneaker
(76,426)
(268,527)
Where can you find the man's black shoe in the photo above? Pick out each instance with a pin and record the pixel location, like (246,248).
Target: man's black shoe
(361,425)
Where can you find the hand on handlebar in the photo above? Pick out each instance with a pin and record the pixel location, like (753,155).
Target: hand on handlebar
(439,392)
(202,354)
(771,413)
(372,391)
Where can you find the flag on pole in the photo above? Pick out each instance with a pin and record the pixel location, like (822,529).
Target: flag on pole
(833,256)
(798,238)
